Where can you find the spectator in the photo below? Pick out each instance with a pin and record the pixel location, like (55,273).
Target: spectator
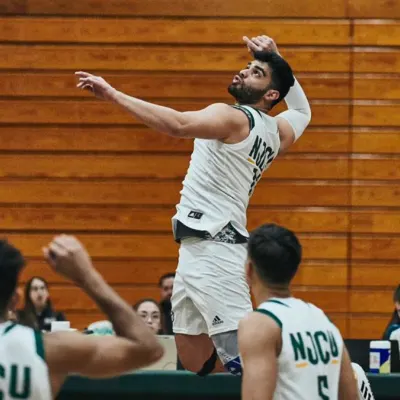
(395,321)
(150,312)
(38,312)
(166,284)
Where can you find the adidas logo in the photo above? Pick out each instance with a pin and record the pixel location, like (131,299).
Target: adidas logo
(217,321)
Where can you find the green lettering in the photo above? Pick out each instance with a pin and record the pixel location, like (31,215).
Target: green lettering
(333,345)
(324,356)
(298,346)
(312,356)
(2,375)
(15,383)
(256,148)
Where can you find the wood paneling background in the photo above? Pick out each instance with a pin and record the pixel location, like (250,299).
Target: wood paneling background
(69,163)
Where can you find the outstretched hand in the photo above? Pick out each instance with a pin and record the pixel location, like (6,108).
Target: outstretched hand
(260,43)
(95,84)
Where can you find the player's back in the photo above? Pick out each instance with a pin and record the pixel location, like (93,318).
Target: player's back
(23,370)
(312,347)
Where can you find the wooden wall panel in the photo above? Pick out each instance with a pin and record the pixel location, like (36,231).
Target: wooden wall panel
(71,163)
(95,112)
(372,274)
(375,248)
(372,9)
(377,168)
(180,85)
(367,327)
(163,193)
(373,60)
(171,58)
(375,221)
(375,195)
(157,219)
(378,301)
(90,166)
(123,139)
(162,246)
(375,86)
(376,114)
(375,140)
(115,271)
(147,272)
(169,31)
(377,32)
(212,8)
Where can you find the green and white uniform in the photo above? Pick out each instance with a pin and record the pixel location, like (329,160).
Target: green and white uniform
(312,347)
(23,370)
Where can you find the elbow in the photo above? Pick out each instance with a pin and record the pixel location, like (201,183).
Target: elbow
(179,131)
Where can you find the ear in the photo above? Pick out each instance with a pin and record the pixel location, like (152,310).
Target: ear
(271,95)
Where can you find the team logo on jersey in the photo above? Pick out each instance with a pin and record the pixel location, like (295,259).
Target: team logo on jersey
(314,348)
(195,214)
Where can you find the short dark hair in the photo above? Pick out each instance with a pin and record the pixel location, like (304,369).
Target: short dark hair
(165,276)
(11,264)
(275,253)
(282,78)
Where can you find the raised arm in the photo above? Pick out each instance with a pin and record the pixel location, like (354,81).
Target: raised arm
(292,122)
(69,352)
(217,121)
(259,346)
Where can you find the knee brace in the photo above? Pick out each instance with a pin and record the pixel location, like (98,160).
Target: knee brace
(227,347)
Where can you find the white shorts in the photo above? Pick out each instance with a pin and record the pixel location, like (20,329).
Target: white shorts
(210,292)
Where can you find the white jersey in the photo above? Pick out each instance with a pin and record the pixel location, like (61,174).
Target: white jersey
(23,371)
(221,177)
(312,347)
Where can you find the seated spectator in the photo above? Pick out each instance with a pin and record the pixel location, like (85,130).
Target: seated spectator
(150,312)
(166,284)
(394,323)
(38,312)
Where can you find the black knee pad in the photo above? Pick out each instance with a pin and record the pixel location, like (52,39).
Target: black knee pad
(209,365)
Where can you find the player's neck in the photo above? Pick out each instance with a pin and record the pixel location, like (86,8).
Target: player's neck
(265,293)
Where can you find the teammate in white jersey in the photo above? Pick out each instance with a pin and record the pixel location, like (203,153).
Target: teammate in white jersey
(289,348)
(233,146)
(34,366)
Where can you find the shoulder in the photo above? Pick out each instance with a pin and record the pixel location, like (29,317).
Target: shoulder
(258,328)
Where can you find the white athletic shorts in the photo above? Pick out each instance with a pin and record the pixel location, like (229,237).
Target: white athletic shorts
(210,292)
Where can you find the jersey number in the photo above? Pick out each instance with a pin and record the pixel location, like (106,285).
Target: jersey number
(322,386)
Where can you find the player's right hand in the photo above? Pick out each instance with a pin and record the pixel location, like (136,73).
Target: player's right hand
(68,257)
(260,43)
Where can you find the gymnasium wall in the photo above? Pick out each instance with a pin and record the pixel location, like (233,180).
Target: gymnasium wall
(69,163)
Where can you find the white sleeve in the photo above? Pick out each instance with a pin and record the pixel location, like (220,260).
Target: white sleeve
(298,114)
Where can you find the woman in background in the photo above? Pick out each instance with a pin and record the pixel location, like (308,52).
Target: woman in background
(38,312)
(150,312)
(394,323)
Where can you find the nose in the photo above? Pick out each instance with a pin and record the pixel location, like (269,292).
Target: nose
(243,73)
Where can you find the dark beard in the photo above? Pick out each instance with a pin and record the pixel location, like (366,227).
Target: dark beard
(246,95)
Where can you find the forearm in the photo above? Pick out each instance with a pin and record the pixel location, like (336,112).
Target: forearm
(160,118)
(298,114)
(126,322)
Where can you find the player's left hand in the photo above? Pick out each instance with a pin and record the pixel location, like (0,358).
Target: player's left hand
(260,43)
(95,84)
